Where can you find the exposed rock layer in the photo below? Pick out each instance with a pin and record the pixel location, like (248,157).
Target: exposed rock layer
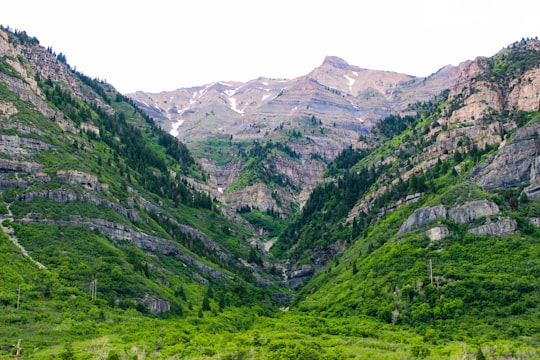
(461,214)
(329,107)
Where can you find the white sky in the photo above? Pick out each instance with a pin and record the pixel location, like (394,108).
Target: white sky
(163,45)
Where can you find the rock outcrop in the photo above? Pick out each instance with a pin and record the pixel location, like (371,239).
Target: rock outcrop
(465,213)
(12,184)
(157,306)
(77,177)
(205,239)
(470,211)
(20,147)
(514,164)
(20,166)
(299,276)
(533,191)
(149,243)
(423,216)
(65,195)
(503,227)
(525,92)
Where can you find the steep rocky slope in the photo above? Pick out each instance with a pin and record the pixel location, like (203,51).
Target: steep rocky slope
(78,157)
(422,242)
(436,226)
(481,116)
(316,115)
(490,100)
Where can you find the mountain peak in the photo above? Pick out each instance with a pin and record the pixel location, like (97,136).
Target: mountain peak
(336,62)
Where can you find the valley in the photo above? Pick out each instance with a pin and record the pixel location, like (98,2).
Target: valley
(312,118)
(347,213)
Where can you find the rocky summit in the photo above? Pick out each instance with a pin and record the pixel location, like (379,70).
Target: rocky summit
(345,214)
(316,115)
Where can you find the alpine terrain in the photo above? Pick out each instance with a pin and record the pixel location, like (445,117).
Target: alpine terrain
(347,213)
(304,123)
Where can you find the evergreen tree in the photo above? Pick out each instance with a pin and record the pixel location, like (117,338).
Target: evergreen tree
(206,304)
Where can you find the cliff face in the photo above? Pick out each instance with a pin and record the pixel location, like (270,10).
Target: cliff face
(515,164)
(483,134)
(316,115)
(466,213)
(75,154)
(485,107)
(41,63)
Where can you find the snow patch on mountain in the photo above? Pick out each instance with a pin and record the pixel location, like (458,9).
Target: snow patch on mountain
(174,130)
(233,106)
(205,90)
(293,111)
(351,82)
(230,92)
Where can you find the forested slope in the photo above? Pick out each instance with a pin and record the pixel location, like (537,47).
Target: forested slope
(440,234)
(421,242)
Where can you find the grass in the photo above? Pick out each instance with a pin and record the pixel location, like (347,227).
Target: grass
(234,335)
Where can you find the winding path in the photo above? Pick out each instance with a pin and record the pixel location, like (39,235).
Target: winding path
(11,234)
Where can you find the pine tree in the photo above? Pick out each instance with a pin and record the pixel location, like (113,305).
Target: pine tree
(206,304)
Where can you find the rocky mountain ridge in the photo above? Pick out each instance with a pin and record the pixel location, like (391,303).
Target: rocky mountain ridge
(316,115)
(423,238)
(485,133)
(482,110)
(71,150)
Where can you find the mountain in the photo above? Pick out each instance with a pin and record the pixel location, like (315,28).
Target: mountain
(95,196)
(490,100)
(265,143)
(436,225)
(420,241)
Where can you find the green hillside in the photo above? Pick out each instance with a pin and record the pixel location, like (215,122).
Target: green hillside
(414,248)
(473,285)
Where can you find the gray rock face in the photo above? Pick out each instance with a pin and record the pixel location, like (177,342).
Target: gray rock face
(437,233)
(532,191)
(157,306)
(515,164)
(19,147)
(462,214)
(143,241)
(64,196)
(470,211)
(422,216)
(25,92)
(299,276)
(20,166)
(206,240)
(12,184)
(500,228)
(79,178)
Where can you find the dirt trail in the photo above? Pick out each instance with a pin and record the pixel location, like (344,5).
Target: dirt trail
(11,234)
